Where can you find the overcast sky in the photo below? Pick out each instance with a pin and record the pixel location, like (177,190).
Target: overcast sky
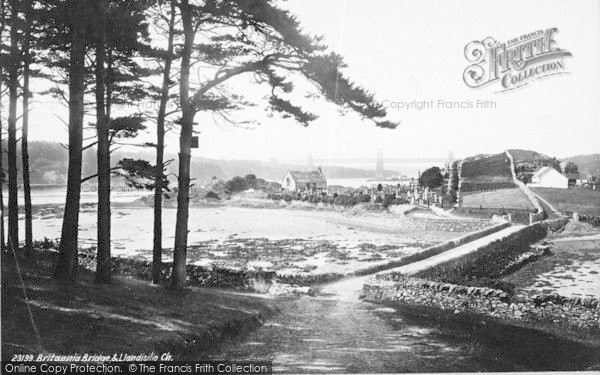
(413,50)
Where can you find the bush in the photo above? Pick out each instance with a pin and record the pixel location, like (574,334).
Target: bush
(251,180)
(388,199)
(315,199)
(45,244)
(288,198)
(212,195)
(236,184)
(274,196)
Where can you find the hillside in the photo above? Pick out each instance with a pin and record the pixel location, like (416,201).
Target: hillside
(589,165)
(485,172)
(527,162)
(48,161)
(527,155)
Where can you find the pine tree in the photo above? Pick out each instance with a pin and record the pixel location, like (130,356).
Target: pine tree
(2,176)
(3,62)
(103,150)
(28,5)
(159,179)
(13,83)
(78,17)
(117,82)
(257,39)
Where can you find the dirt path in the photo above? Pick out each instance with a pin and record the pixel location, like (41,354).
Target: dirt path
(330,334)
(335,332)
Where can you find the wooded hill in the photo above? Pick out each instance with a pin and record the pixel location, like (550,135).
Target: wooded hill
(588,165)
(48,164)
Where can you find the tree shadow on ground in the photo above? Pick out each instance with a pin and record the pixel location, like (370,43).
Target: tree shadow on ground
(128,316)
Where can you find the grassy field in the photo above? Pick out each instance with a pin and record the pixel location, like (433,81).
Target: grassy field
(128,316)
(502,198)
(583,201)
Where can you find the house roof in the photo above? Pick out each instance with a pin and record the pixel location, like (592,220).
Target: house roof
(543,172)
(308,177)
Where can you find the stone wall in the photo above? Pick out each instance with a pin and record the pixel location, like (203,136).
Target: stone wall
(213,277)
(532,197)
(488,260)
(590,219)
(517,215)
(394,288)
(583,313)
(554,225)
(141,268)
(433,250)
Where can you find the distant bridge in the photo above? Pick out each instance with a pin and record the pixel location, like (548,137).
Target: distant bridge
(368,161)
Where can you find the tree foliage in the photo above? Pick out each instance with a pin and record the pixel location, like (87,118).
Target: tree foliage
(571,167)
(431,178)
(140,174)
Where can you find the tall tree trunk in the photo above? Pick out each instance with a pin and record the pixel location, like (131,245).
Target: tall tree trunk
(103,153)
(160,148)
(25,132)
(3,24)
(185,142)
(66,268)
(13,81)
(2,239)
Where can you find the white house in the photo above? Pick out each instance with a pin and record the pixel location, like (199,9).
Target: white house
(299,180)
(549,177)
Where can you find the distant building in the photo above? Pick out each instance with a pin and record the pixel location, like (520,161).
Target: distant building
(592,183)
(549,177)
(573,178)
(307,181)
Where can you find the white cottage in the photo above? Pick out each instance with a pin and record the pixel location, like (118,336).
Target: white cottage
(549,177)
(309,181)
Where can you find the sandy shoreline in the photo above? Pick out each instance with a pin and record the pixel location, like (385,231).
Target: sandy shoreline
(288,240)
